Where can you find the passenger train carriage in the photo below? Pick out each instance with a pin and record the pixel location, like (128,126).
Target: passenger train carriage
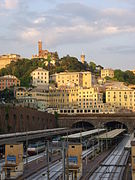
(36,148)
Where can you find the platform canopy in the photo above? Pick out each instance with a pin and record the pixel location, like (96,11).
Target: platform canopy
(111,134)
(84,134)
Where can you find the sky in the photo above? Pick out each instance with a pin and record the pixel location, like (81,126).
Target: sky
(104,30)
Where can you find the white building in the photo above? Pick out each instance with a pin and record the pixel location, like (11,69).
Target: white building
(40,77)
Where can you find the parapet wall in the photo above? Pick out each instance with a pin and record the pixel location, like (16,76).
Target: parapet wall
(18,119)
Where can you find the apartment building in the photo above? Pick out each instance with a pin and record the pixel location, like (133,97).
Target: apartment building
(40,77)
(123,97)
(65,100)
(89,97)
(75,97)
(8,81)
(63,97)
(73,79)
(107,73)
(34,98)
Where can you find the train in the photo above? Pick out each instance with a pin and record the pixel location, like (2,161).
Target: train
(36,148)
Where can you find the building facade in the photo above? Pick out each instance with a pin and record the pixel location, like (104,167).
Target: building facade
(65,100)
(7,59)
(37,98)
(72,79)
(8,81)
(123,97)
(107,73)
(40,77)
(13,161)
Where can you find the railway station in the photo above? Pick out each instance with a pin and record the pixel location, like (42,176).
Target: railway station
(115,163)
(110,150)
(87,138)
(108,139)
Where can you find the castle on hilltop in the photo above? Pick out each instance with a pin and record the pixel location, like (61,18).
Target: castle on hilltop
(45,53)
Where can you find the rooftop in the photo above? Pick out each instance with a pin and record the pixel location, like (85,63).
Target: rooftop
(111,134)
(84,134)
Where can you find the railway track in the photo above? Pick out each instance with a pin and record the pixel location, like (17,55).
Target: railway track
(55,169)
(113,166)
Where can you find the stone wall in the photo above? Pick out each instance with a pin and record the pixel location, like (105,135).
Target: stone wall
(18,119)
(98,120)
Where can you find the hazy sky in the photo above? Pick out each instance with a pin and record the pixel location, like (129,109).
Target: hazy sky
(103,29)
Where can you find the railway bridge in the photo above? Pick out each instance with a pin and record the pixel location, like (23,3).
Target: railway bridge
(119,120)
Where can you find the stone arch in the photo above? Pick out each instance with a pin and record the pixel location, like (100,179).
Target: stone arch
(83,124)
(115,125)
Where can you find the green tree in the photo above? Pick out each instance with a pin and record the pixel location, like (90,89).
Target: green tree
(92,66)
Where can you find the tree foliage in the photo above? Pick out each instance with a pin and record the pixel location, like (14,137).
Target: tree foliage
(23,68)
(7,95)
(124,76)
(92,66)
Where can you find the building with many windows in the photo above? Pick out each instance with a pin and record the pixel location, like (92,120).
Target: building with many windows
(107,73)
(78,100)
(123,97)
(40,77)
(8,81)
(35,98)
(73,79)
(65,100)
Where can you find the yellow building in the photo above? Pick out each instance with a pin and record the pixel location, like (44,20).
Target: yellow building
(65,100)
(123,97)
(133,71)
(78,100)
(72,79)
(34,98)
(63,97)
(13,160)
(7,59)
(133,159)
(74,163)
(40,77)
(107,73)
(21,92)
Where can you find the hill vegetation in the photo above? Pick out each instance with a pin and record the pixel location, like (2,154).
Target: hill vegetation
(23,68)
(124,76)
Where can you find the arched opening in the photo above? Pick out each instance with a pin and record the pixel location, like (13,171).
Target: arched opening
(115,125)
(83,124)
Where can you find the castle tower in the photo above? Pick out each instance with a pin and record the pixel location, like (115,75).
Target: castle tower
(39,47)
(82,58)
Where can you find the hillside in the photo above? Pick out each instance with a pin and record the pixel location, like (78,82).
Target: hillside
(22,68)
